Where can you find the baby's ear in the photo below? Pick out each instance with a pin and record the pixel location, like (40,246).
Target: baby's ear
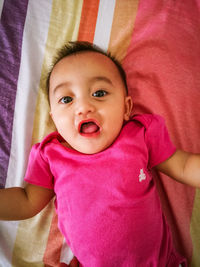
(128,107)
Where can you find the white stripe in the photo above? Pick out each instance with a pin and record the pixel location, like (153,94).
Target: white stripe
(33,45)
(66,254)
(104,23)
(7,238)
(1,6)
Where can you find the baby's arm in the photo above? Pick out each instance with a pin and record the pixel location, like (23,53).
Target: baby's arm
(182,166)
(22,203)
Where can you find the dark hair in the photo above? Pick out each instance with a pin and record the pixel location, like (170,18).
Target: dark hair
(79,46)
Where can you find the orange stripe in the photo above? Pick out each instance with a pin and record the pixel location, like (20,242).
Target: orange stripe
(54,244)
(88,20)
(122,27)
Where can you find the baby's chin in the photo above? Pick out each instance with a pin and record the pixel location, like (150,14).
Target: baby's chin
(85,145)
(83,150)
(88,150)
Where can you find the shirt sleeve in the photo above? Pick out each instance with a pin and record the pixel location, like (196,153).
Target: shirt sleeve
(38,171)
(158,141)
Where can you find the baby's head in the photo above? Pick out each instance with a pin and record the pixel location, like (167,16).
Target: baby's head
(88,97)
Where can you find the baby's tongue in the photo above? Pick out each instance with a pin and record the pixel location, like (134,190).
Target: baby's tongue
(89,127)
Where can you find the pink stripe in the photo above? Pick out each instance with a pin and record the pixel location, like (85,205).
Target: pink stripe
(162,66)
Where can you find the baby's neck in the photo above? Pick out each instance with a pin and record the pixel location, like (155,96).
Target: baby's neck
(66,145)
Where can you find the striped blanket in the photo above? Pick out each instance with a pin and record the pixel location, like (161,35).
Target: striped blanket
(158,43)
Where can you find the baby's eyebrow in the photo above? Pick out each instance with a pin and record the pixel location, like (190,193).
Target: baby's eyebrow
(92,80)
(101,78)
(61,85)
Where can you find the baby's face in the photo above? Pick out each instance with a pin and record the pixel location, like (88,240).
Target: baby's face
(88,101)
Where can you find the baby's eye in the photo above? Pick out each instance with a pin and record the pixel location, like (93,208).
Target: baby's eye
(66,99)
(99,93)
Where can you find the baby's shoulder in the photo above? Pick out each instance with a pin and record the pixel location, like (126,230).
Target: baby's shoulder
(48,140)
(147,120)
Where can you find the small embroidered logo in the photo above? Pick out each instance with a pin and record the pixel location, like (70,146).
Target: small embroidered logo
(142,175)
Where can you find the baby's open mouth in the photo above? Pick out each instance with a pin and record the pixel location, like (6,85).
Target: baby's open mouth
(88,128)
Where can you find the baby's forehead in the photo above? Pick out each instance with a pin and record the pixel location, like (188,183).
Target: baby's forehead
(83,64)
(97,58)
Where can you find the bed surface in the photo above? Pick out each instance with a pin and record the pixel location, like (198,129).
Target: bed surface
(158,44)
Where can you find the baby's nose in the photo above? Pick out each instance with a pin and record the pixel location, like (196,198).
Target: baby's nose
(84,107)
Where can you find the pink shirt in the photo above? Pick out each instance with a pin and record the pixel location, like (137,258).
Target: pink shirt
(107,204)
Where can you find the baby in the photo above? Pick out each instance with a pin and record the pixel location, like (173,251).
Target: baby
(98,164)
